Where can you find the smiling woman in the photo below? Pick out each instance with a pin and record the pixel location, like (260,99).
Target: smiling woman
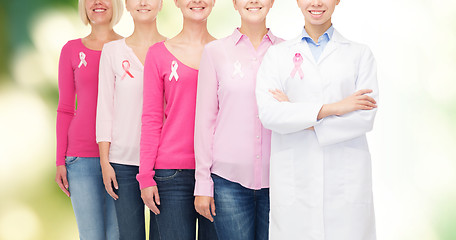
(78,164)
(166,173)
(231,146)
(119,117)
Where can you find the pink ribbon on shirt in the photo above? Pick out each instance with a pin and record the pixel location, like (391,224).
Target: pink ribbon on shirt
(297,60)
(126,68)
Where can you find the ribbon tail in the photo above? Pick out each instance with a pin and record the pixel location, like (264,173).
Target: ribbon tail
(301,73)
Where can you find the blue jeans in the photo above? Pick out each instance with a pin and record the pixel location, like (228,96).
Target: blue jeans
(130,206)
(241,213)
(177,218)
(93,207)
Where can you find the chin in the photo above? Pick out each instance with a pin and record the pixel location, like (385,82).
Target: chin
(100,21)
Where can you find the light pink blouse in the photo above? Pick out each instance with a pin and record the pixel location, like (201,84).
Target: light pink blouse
(230,140)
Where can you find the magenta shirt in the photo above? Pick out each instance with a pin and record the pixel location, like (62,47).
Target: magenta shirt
(230,140)
(168,115)
(78,76)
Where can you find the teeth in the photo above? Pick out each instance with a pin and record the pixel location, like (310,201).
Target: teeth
(199,8)
(254,9)
(99,10)
(316,13)
(143,10)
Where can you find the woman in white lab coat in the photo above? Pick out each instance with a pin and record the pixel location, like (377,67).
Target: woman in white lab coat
(320,183)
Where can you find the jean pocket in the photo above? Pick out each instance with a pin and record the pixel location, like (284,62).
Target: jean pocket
(71,160)
(165,174)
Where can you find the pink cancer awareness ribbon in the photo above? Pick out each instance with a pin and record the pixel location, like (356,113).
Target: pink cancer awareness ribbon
(297,60)
(126,68)
(82,57)
(237,69)
(174,74)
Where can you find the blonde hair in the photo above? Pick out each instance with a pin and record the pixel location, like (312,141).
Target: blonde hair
(117,11)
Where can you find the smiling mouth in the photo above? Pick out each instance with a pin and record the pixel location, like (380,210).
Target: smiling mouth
(254,9)
(99,10)
(143,10)
(316,13)
(197,8)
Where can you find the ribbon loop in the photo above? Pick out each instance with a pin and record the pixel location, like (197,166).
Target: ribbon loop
(174,74)
(297,60)
(82,58)
(126,68)
(237,69)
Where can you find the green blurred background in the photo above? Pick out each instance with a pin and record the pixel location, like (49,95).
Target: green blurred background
(413,144)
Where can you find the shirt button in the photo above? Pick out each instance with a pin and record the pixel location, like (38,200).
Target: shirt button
(258,137)
(254,59)
(257,156)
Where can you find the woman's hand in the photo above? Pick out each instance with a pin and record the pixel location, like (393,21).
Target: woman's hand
(109,180)
(61,179)
(279,95)
(151,198)
(205,206)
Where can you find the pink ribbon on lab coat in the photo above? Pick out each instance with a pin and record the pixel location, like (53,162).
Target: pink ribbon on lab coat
(126,68)
(297,60)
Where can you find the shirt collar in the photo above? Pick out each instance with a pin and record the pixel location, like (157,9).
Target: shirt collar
(237,36)
(328,33)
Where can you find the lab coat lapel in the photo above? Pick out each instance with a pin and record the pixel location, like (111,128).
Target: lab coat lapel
(332,45)
(304,47)
(330,48)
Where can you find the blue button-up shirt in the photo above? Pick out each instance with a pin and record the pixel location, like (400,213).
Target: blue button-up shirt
(317,48)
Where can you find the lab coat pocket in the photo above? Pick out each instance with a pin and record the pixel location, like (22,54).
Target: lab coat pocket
(358,176)
(282,181)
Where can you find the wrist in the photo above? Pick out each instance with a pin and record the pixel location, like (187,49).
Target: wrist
(326,110)
(105,163)
(333,109)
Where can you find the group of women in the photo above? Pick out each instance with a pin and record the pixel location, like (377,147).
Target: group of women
(244,137)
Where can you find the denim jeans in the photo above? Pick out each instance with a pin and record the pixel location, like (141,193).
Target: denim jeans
(93,207)
(130,207)
(241,213)
(177,218)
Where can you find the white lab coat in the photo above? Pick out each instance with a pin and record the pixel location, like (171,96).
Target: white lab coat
(321,181)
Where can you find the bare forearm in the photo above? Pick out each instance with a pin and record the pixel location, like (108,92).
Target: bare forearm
(104,152)
(327,110)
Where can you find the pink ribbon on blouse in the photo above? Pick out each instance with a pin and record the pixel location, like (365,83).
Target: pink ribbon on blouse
(126,68)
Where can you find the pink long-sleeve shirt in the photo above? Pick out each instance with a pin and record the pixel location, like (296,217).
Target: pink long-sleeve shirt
(78,76)
(119,107)
(230,140)
(168,117)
